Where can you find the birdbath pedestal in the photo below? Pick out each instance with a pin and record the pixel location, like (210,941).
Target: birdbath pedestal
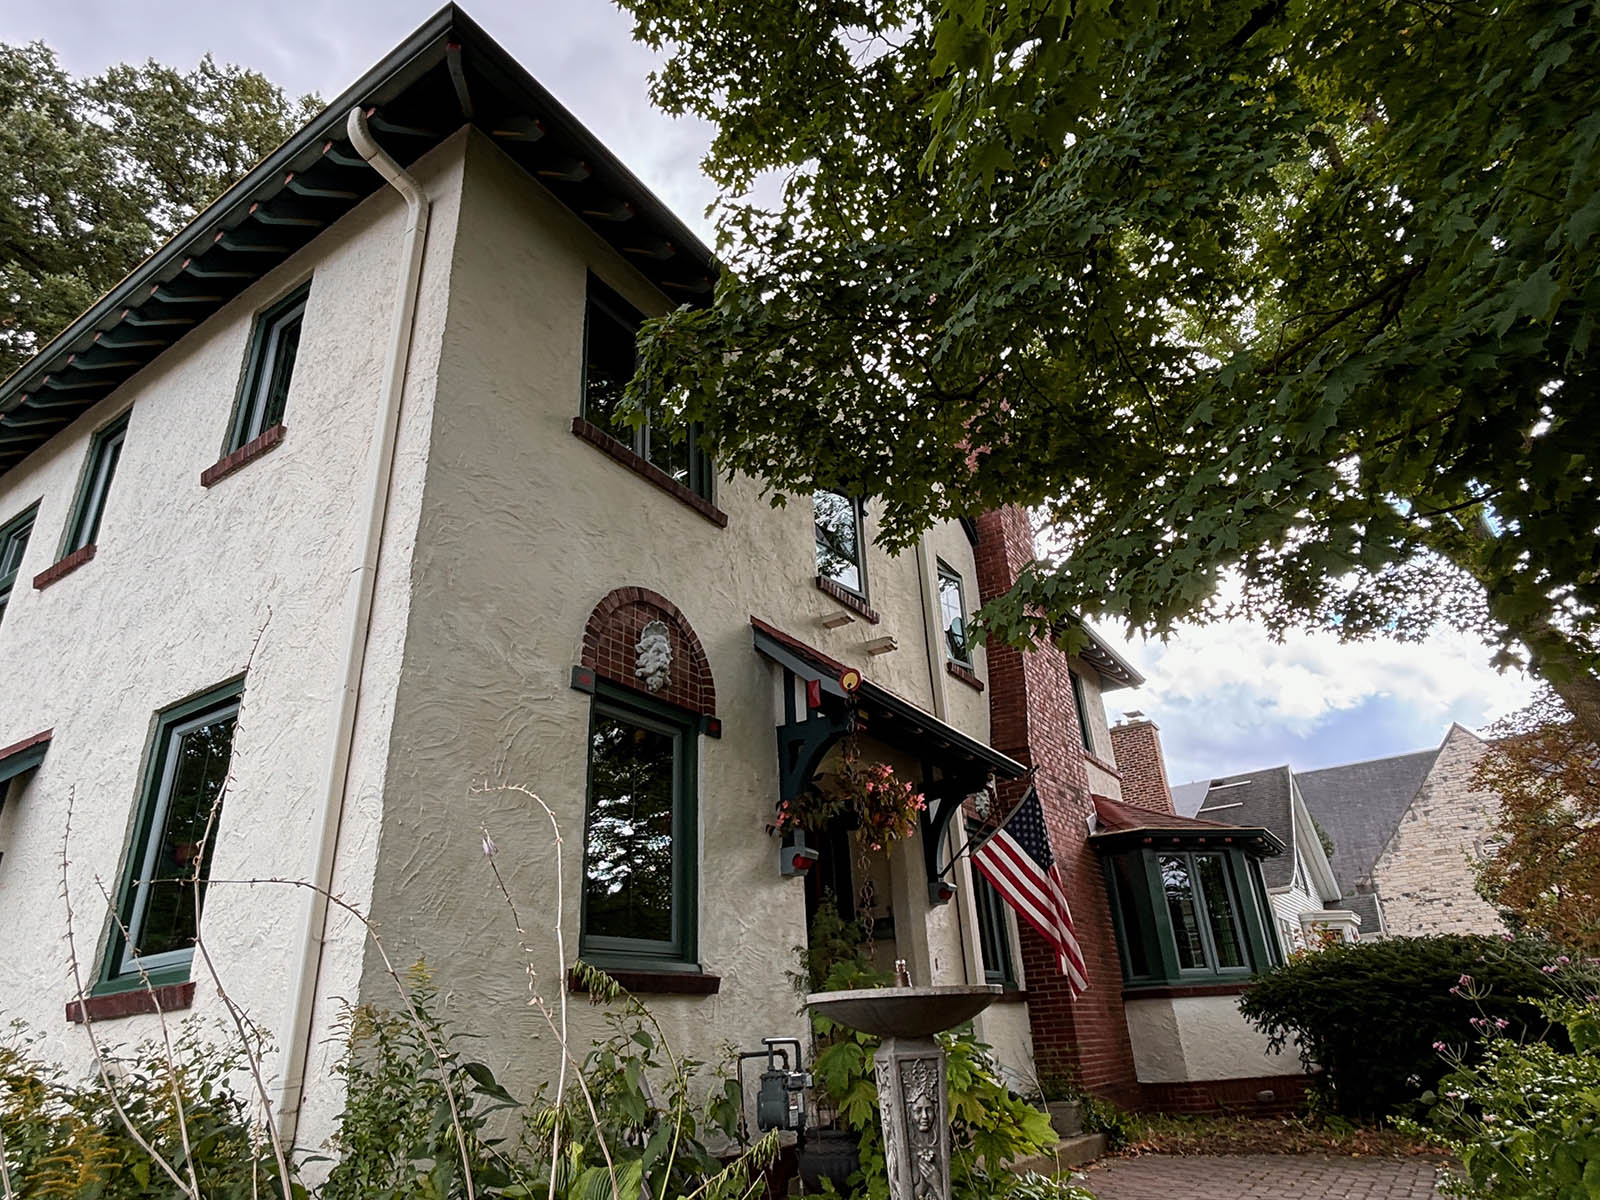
(910,1073)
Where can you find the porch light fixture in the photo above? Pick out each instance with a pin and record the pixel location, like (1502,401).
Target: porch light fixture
(940,892)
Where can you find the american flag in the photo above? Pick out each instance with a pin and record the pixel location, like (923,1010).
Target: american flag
(1016,858)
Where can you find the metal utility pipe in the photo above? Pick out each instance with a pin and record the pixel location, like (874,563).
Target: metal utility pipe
(357,621)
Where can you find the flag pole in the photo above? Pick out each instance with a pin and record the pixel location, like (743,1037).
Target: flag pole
(970,848)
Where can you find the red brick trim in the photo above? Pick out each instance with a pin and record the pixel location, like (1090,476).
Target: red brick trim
(249,452)
(646,470)
(837,591)
(1102,764)
(1182,991)
(167,998)
(611,638)
(1228,1095)
(17,747)
(966,674)
(66,566)
(661,983)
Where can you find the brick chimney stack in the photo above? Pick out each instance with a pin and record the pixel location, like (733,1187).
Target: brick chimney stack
(1144,774)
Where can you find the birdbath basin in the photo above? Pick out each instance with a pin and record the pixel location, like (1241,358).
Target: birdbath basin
(910,1070)
(903,1012)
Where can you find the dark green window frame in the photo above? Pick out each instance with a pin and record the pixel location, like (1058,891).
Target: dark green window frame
(953,614)
(680,950)
(13,545)
(1146,938)
(119,972)
(105,451)
(610,357)
(269,369)
(831,554)
(1080,703)
(994,933)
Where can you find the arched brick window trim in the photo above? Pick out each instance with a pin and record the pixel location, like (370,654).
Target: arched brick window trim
(610,648)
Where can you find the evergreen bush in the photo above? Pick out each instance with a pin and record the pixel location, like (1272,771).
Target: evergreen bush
(1369,1014)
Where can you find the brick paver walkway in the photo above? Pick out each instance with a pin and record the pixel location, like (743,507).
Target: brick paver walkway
(1262,1177)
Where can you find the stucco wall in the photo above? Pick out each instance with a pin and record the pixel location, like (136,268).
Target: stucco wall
(1184,1038)
(524,529)
(1425,873)
(185,580)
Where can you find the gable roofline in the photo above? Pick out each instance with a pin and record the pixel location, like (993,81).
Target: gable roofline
(446,74)
(1308,846)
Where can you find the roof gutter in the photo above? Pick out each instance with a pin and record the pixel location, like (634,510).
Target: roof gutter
(357,620)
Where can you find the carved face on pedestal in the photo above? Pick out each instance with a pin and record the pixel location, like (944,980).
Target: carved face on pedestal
(922,1110)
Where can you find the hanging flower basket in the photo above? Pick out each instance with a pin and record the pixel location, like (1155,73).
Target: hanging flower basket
(884,806)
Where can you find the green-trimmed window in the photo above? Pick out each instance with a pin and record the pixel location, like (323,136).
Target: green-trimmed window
(953,615)
(13,542)
(839,541)
(994,933)
(1081,703)
(169,860)
(610,337)
(264,389)
(639,832)
(1186,914)
(104,453)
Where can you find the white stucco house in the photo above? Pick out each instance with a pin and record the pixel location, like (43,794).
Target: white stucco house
(322,521)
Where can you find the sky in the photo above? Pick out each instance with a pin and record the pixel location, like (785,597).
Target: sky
(1227,698)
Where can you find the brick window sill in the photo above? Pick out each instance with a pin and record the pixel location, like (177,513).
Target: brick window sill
(837,591)
(65,567)
(661,983)
(646,470)
(247,453)
(966,674)
(169,997)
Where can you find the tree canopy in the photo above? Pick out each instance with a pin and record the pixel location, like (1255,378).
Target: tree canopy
(1294,294)
(95,173)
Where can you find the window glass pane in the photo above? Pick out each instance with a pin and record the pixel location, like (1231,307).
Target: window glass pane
(952,615)
(1220,912)
(608,366)
(1081,703)
(194,771)
(994,940)
(1181,910)
(1130,881)
(12,545)
(103,457)
(285,345)
(669,448)
(838,539)
(628,853)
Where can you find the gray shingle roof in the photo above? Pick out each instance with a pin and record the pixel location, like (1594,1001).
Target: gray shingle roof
(1257,798)
(1365,906)
(1360,804)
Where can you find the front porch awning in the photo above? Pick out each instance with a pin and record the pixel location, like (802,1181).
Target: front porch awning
(824,700)
(1119,825)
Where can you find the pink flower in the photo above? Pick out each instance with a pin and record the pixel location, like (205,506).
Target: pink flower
(1440,1047)
(1563,959)
(1501,1023)
(1466,981)
(1550,969)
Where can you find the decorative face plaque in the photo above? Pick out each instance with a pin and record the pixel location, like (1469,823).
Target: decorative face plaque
(653,656)
(916,1130)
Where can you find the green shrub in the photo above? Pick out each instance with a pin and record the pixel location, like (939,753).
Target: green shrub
(1368,1014)
(1524,1120)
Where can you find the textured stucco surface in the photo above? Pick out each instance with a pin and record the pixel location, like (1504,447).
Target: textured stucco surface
(181,587)
(1185,1038)
(1425,873)
(524,529)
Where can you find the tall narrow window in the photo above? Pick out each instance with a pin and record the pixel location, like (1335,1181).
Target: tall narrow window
(953,616)
(104,452)
(610,331)
(274,345)
(994,934)
(13,541)
(1080,703)
(638,852)
(169,861)
(1184,912)
(838,524)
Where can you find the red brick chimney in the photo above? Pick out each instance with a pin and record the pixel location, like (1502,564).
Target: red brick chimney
(1137,745)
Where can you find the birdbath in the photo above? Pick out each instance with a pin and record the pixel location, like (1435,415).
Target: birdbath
(910,1072)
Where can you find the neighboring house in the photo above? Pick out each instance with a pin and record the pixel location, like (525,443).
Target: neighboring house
(1406,831)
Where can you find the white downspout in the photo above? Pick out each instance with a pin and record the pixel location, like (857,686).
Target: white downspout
(357,622)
